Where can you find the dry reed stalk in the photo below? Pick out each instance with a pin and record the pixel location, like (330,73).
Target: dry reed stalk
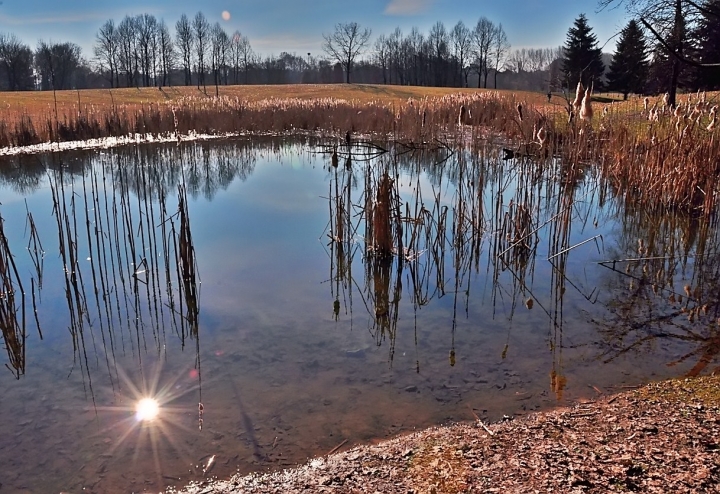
(579,92)
(586,111)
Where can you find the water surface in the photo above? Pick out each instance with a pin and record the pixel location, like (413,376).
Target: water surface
(234,281)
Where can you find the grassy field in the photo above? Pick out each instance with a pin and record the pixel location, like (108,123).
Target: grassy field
(42,101)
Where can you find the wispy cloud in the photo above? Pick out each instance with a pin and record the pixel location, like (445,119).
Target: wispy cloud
(48,19)
(407,7)
(68,17)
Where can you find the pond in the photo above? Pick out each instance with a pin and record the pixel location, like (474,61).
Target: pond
(244,286)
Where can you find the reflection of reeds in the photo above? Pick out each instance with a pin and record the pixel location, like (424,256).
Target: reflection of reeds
(124,228)
(37,256)
(186,260)
(13,329)
(657,301)
(382,212)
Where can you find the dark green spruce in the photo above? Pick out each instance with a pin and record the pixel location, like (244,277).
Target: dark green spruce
(583,58)
(629,67)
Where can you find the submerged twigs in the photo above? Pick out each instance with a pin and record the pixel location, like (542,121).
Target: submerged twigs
(336,448)
(564,251)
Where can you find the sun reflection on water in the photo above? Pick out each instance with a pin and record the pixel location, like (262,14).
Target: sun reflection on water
(151,422)
(146,410)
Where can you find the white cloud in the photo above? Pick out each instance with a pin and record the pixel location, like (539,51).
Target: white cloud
(407,7)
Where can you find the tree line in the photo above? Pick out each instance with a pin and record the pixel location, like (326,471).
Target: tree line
(142,50)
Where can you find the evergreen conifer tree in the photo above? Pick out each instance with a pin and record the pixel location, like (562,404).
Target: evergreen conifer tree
(583,59)
(707,37)
(629,67)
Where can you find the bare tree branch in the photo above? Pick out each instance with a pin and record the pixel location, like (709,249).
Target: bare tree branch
(672,51)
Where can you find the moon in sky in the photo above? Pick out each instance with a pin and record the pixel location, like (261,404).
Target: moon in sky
(226,15)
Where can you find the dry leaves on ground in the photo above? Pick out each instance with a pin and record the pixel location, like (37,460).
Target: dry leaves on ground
(664,437)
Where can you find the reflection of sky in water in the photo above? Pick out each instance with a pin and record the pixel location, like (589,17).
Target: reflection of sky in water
(281,378)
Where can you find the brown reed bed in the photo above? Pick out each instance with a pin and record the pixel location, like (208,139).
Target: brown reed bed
(652,155)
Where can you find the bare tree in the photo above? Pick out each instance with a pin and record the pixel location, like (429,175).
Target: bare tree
(482,36)
(184,41)
(394,42)
(201,33)
(219,44)
(382,55)
(346,44)
(146,35)
(242,56)
(167,52)
(461,38)
(499,49)
(438,41)
(127,53)
(247,56)
(56,63)
(106,50)
(16,59)
(414,55)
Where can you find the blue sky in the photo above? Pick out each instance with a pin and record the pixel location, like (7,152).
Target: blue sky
(296,26)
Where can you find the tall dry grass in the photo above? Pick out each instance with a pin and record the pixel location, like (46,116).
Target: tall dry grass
(652,155)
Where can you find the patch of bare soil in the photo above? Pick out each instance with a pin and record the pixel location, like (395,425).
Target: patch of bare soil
(664,437)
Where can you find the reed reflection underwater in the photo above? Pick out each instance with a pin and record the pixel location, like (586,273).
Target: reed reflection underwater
(507,207)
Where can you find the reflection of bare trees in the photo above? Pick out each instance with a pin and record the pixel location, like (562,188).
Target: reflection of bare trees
(204,167)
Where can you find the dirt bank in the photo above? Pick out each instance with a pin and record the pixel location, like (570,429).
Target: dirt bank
(664,437)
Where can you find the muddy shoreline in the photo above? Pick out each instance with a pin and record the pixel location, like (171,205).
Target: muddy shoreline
(659,438)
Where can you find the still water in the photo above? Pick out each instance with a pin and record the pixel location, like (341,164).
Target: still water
(237,284)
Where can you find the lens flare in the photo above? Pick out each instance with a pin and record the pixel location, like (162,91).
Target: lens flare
(146,410)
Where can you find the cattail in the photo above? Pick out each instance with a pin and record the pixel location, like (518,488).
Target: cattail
(586,112)
(654,114)
(578,96)
(711,125)
(463,115)
(646,103)
(678,111)
(541,136)
(519,111)
(695,115)
(665,100)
